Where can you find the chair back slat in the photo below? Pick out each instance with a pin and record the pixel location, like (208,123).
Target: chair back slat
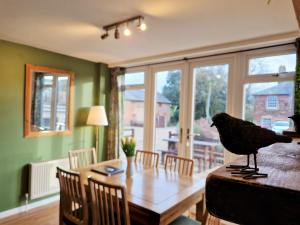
(82,157)
(73,204)
(147,158)
(180,165)
(109,203)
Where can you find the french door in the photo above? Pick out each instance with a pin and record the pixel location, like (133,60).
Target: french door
(179,102)
(207,95)
(185,98)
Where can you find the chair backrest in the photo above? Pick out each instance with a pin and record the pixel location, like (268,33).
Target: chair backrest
(109,203)
(180,165)
(147,158)
(82,157)
(73,205)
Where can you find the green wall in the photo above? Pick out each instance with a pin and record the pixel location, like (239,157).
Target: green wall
(16,151)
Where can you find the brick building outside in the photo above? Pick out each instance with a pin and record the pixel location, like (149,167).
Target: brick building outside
(272,105)
(134,109)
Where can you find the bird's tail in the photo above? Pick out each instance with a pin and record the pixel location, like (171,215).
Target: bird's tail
(283,139)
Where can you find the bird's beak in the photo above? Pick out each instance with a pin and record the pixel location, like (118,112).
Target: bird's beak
(213,124)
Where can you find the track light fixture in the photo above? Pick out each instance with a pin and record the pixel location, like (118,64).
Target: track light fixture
(104,36)
(127,32)
(117,33)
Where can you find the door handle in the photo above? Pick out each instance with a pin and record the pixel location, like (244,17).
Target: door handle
(180,135)
(189,134)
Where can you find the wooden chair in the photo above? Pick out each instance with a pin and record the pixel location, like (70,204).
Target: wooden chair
(109,203)
(147,158)
(82,157)
(181,165)
(73,205)
(210,219)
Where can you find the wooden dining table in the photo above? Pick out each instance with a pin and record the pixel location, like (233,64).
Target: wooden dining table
(155,196)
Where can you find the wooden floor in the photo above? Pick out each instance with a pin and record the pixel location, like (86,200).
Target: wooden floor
(46,215)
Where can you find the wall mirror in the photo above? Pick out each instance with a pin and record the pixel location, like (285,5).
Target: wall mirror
(48,101)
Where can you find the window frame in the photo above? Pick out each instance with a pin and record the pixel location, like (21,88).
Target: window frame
(272,51)
(265,55)
(252,79)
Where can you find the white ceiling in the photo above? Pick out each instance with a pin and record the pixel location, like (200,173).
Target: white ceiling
(73,27)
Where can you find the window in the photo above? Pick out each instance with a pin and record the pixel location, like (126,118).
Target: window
(134,103)
(168,107)
(266,122)
(269,99)
(272,102)
(167,111)
(260,108)
(274,64)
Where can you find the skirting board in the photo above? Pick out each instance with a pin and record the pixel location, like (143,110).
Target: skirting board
(30,206)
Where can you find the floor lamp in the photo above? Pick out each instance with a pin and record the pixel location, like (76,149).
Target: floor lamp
(97,117)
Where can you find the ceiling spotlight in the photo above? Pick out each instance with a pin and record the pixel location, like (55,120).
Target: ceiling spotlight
(127,32)
(104,36)
(142,25)
(117,34)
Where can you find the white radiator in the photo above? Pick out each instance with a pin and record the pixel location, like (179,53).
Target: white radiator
(42,177)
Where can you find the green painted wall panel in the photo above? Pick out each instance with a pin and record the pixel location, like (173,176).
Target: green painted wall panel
(16,151)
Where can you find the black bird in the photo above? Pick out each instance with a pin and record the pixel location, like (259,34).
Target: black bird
(296,120)
(245,138)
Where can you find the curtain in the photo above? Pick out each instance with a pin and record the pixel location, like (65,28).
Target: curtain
(297,79)
(115,114)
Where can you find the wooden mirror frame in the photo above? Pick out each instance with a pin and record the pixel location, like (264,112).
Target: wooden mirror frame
(30,69)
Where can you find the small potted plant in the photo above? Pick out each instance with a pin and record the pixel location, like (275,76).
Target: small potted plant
(128,145)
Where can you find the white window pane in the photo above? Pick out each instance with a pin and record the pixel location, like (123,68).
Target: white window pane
(270,104)
(134,78)
(272,64)
(167,104)
(134,102)
(210,98)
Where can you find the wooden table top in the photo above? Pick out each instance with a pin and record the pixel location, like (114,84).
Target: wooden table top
(150,188)
(271,200)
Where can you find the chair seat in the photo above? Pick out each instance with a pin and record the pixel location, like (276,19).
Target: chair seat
(66,221)
(183,220)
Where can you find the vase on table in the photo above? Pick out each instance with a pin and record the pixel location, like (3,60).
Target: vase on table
(130,162)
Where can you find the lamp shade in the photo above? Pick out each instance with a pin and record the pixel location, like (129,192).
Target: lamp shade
(97,116)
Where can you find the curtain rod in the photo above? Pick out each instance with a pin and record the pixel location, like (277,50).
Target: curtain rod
(206,56)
